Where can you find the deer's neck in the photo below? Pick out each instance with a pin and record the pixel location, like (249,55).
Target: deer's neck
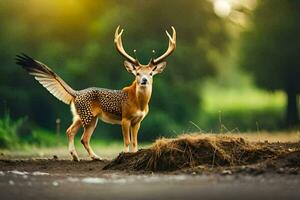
(142,95)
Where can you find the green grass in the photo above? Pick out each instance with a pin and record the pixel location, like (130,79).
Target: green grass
(8,131)
(241,109)
(43,138)
(218,99)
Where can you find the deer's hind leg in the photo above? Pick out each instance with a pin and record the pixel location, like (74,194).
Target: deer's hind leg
(71,132)
(86,137)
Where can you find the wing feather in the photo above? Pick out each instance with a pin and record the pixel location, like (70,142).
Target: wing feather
(47,78)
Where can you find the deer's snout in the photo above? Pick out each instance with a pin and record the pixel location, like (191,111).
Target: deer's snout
(144,81)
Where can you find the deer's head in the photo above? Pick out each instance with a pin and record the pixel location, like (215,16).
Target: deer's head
(144,73)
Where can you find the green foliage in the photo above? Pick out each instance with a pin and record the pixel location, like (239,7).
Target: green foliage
(13,135)
(272,45)
(8,131)
(271,50)
(240,109)
(44,138)
(242,120)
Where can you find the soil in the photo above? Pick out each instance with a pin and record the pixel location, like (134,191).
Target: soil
(185,154)
(216,154)
(225,168)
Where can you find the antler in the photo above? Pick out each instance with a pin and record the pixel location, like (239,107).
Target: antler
(171,48)
(120,49)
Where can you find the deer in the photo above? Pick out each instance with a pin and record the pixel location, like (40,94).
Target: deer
(126,107)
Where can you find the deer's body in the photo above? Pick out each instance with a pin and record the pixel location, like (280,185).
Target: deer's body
(127,107)
(111,106)
(103,103)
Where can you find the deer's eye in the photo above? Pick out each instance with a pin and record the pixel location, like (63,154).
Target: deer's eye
(151,74)
(137,74)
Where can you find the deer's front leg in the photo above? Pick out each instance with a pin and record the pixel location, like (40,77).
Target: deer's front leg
(126,131)
(134,131)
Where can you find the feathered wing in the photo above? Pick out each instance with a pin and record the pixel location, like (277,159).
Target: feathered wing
(45,76)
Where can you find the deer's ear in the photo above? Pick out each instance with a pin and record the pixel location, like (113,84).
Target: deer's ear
(159,68)
(130,67)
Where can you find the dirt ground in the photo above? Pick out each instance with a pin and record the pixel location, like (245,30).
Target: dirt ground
(275,176)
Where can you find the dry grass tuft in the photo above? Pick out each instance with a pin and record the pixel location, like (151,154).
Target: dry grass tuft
(189,151)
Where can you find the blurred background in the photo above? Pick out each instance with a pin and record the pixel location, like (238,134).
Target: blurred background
(236,66)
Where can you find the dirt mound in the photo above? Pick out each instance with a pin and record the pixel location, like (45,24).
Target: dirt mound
(189,151)
(287,160)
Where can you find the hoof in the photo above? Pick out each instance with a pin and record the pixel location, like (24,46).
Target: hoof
(134,150)
(126,150)
(75,157)
(97,158)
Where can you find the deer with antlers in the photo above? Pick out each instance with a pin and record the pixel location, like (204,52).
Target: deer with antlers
(126,107)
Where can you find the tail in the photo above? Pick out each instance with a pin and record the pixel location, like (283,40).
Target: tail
(45,76)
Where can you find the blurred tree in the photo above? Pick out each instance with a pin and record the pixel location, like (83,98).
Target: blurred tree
(271,50)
